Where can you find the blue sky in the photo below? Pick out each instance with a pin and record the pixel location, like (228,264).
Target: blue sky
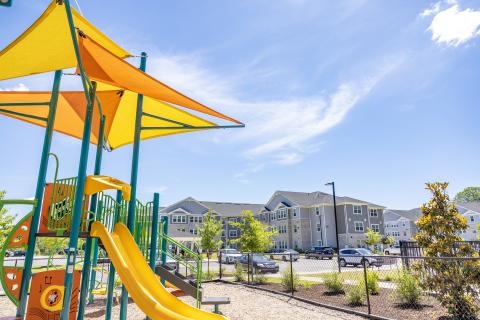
(379,96)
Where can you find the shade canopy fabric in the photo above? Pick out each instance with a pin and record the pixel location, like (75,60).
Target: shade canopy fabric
(47,45)
(102,65)
(118,106)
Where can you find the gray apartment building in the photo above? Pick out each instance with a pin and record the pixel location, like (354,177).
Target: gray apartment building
(187,215)
(400,224)
(306,219)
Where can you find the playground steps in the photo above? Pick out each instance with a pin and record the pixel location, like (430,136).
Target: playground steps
(188,286)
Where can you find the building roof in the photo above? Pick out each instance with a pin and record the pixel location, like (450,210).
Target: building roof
(231,209)
(393,214)
(318,197)
(472,206)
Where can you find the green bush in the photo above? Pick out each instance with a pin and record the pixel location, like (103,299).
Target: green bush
(238,273)
(372,283)
(388,278)
(287,283)
(209,275)
(259,278)
(333,283)
(408,289)
(356,295)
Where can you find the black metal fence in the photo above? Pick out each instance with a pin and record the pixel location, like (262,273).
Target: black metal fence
(376,286)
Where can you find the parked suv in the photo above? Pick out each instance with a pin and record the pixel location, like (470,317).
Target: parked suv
(228,256)
(393,250)
(259,263)
(285,255)
(359,256)
(320,252)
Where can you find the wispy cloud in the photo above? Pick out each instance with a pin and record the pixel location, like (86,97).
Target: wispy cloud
(18,87)
(278,131)
(451,25)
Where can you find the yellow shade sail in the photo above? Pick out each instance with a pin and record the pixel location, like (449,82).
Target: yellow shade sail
(47,45)
(102,65)
(118,106)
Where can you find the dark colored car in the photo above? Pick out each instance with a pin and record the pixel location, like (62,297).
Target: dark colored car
(320,252)
(18,253)
(259,263)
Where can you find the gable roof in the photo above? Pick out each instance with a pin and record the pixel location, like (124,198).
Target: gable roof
(472,206)
(412,214)
(317,197)
(232,209)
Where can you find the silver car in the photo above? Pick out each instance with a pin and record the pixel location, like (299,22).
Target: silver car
(228,256)
(359,256)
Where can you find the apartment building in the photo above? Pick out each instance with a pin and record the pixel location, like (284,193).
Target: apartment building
(400,224)
(185,217)
(305,219)
(471,211)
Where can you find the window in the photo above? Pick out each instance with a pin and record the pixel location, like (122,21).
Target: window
(194,231)
(282,229)
(357,209)
(281,214)
(232,233)
(359,226)
(194,219)
(376,227)
(404,233)
(320,242)
(472,219)
(396,233)
(317,211)
(179,218)
(281,244)
(181,230)
(373,213)
(295,228)
(319,227)
(294,212)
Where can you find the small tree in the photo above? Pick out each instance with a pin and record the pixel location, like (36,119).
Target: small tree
(468,194)
(6,222)
(453,281)
(210,233)
(372,237)
(254,235)
(388,240)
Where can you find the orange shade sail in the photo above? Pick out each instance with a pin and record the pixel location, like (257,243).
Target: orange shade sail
(102,65)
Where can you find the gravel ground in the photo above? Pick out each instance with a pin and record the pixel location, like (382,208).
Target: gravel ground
(246,304)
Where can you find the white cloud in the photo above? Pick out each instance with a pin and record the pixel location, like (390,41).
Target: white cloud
(452,26)
(18,87)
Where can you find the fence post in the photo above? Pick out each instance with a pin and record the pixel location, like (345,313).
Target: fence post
(365,276)
(248,268)
(220,264)
(291,273)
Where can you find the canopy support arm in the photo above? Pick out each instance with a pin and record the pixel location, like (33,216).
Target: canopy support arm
(165,119)
(23,104)
(195,127)
(23,115)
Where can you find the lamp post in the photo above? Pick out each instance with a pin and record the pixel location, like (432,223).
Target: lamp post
(336,223)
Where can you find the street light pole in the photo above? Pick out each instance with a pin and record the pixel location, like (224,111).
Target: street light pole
(336,223)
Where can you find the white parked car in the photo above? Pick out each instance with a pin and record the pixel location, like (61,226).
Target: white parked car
(393,250)
(359,256)
(228,256)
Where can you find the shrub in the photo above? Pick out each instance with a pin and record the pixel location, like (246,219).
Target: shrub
(333,283)
(388,278)
(259,278)
(356,295)
(408,289)
(372,283)
(238,273)
(307,285)
(209,275)
(286,281)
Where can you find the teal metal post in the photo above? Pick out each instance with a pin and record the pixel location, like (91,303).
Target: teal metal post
(78,205)
(111,274)
(133,179)
(42,174)
(154,237)
(84,292)
(164,243)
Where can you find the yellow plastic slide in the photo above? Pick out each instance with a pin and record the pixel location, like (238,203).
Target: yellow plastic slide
(141,282)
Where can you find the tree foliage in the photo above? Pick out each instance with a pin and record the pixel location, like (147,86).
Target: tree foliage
(210,233)
(453,281)
(6,221)
(372,237)
(388,240)
(469,194)
(254,235)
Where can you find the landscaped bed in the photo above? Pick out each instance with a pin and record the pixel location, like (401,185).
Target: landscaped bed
(383,304)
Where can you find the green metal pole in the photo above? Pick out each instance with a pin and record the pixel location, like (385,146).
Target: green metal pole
(154,236)
(111,274)
(84,292)
(42,173)
(133,179)
(78,205)
(164,243)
